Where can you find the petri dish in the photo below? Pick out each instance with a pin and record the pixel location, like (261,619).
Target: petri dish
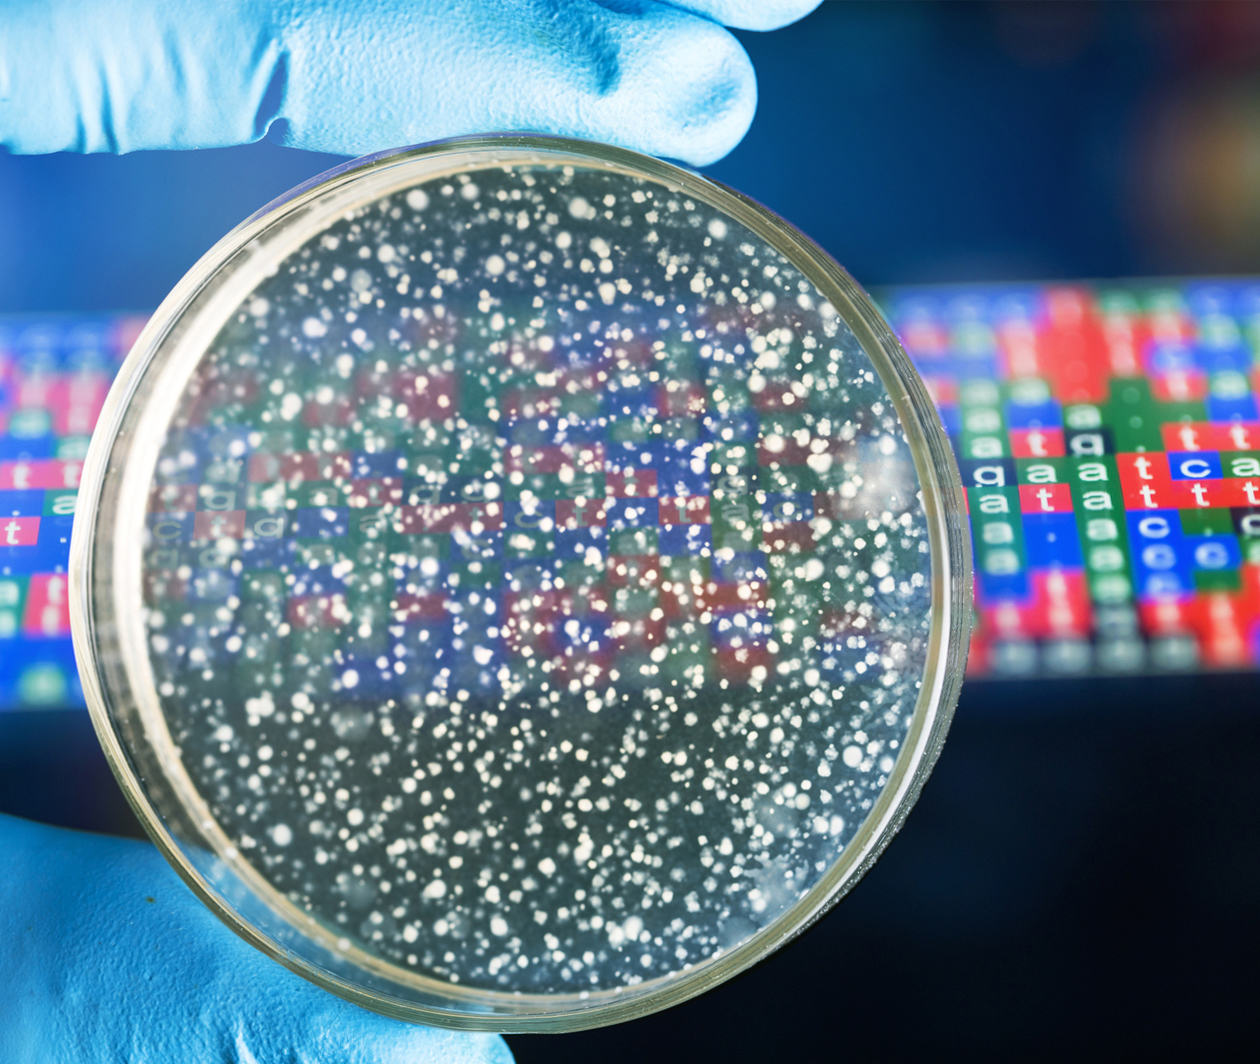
(519,583)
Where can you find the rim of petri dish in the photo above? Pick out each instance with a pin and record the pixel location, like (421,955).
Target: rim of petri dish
(107,618)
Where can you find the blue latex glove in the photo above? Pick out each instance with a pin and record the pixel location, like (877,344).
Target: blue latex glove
(346,77)
(106,957)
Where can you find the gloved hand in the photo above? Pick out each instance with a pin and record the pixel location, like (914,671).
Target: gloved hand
(346,77)
(106,957)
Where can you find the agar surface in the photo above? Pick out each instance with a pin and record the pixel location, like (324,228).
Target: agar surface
(537,586)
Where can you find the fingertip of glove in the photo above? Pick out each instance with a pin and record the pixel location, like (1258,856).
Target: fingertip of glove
(332,1029)
(707,95)
(396,1042)
(751,14)
(497,1052)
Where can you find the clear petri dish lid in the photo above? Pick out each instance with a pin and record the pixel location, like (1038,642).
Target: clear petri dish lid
(519,583)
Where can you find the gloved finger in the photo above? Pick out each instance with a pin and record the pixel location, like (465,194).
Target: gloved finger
(750,14)
(106,956)
(118,75)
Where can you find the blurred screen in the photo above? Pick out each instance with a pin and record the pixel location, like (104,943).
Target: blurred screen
(1108,438)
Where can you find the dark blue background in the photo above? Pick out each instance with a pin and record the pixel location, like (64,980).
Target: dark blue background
(1081,874)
